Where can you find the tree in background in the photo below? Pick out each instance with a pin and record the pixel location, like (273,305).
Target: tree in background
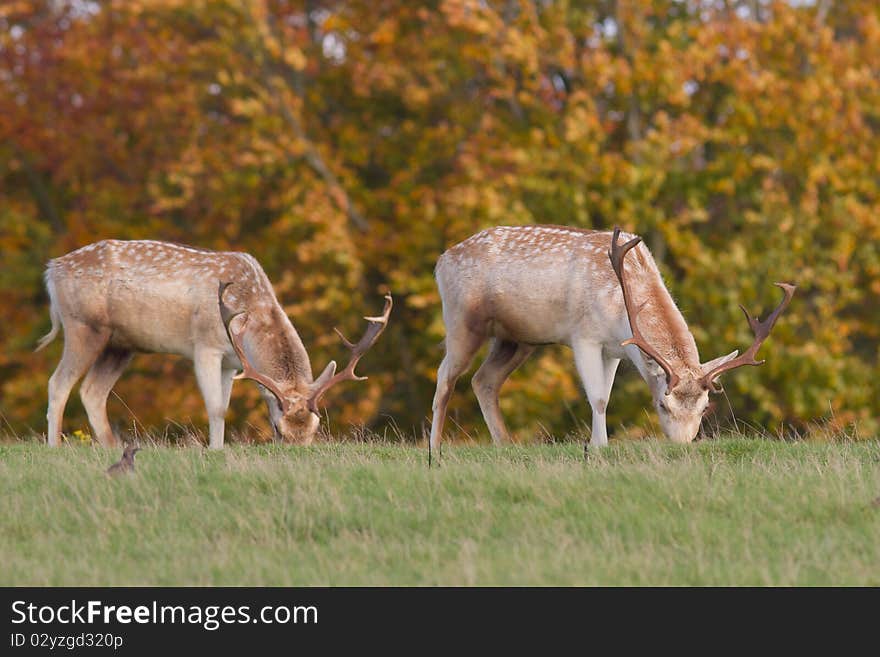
(347,144)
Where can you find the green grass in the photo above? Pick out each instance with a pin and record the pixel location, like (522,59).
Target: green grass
(728,511)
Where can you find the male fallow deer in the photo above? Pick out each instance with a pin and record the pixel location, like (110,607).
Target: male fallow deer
(116,298)
(526,286)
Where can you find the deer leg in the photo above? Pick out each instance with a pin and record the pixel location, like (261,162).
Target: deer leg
(460,350)
(226,377)
(611,365)
(82,346)
(592,369)
(95,388)
(209,375)
(226,380)
(504,357)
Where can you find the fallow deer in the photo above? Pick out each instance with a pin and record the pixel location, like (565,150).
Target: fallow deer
(525,286)
(117,298)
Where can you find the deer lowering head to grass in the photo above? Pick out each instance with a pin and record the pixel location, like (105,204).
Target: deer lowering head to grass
(521,287)
(116,298)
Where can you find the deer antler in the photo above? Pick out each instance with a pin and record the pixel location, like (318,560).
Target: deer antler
(617,254)
(374,330)
(761,331)
(248,371)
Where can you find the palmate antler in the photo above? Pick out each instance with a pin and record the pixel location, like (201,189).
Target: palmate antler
(761,331)
(248,370)
(617,254)
(375,327)
(374,330)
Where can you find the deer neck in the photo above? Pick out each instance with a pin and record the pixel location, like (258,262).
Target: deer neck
(274,348)
(663,325)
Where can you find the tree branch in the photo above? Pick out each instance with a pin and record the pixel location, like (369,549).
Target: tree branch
(39,190)
(312,155)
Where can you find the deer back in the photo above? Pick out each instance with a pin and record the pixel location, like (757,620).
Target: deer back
(162,297)
(555,284)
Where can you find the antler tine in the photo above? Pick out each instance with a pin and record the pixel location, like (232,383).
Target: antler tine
(617,255)
(761,331)
(248,370)
(225,313)
(375,327)
(345,340)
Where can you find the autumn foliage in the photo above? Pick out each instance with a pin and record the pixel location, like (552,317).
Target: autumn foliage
(346,144)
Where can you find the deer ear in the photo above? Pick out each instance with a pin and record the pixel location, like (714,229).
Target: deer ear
(325,376)
(712,364)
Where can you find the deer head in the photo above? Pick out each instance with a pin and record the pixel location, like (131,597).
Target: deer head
(295,417)
(682,397)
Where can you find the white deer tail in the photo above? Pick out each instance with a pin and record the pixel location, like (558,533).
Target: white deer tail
(53,313)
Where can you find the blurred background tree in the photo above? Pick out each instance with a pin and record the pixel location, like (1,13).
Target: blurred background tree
(346,144)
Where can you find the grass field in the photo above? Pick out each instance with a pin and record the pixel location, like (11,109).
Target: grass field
(725,511)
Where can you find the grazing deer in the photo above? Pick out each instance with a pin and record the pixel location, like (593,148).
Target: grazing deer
(526,286)
(115,298)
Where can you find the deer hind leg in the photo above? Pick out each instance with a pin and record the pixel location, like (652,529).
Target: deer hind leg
(504,357)
(95,388)
(82,346)
(460,349)
(597,375)
(209,375)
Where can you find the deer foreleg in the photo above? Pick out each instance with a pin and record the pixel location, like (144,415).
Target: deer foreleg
(210,377)
(597,376)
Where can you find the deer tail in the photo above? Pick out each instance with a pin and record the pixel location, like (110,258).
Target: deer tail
(53,313)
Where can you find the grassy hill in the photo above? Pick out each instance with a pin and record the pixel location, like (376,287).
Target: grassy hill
(726,511)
